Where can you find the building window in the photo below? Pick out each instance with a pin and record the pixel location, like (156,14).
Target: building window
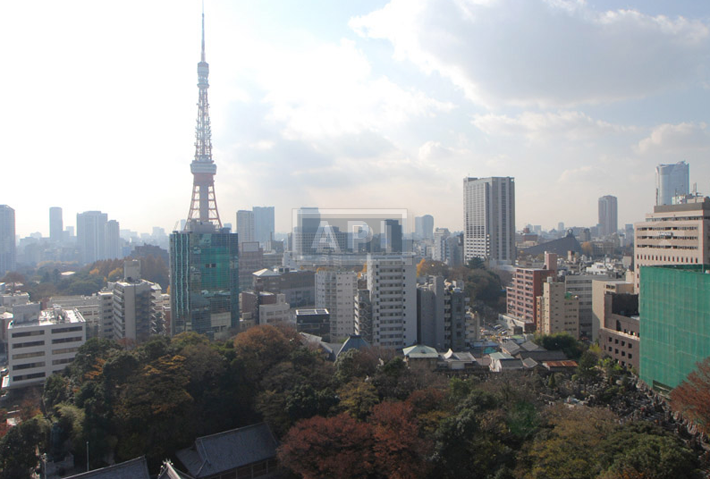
(66,330)
(25,334)
(67,340)
(28,345)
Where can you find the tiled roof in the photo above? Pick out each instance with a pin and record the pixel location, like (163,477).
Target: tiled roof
(420,351)
(355,341)
(229,450)
(134,469)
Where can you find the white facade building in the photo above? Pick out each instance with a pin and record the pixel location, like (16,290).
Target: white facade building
(336,291)
(245,226)
(391,280)
(489,219)
(278,312)
(39,348)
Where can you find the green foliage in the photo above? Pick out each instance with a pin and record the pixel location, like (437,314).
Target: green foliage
(564,342)
(357,398)
(355,364)
(56,390)
(476,263)
(18,456)
(523,420)
(587,370)
(468,444)
(432,268)
(644,450)
(570,445)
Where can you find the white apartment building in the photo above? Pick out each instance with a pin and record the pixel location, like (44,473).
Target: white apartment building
(391,280)
(41,347)
(489,219)
(336,291)
(137,306)
(97,311)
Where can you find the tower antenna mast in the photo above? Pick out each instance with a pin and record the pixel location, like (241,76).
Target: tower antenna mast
(203,207)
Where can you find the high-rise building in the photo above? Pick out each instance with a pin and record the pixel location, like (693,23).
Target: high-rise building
(424,227)
(137,306)
(392,237)
(113,240)
(245,226)
(91,235)
(440,244)
(263,224)
(7,240)
(580,285)
(489,218)
(441,315)
(608,218)
(525,287)
(336,291)
(672,180)
(204,257)
(673,234)
(56,225)
(674,321)
(391,281)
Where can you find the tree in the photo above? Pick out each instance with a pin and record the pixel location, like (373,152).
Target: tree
(468,443)
(154,410)
(357,398)
(692,397)
(432,268)
(642,449)
(399,451)
(570,445)
(564,342)
(18,449)
(355,364)
(325,448)
(261,347)
(587,368)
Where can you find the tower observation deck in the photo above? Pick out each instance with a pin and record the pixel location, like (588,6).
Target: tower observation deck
(203,207)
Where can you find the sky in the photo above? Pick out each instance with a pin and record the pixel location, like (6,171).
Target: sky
(367,104)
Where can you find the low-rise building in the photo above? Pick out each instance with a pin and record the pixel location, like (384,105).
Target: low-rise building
(314,321)
(43,346)
(619,333)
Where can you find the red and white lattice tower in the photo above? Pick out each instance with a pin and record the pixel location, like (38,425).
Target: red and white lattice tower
(203,207)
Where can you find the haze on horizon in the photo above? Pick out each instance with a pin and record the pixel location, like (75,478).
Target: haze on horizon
(375,104)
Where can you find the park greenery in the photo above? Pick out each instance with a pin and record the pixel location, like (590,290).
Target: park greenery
(59,279)
(368,415)
(484,286)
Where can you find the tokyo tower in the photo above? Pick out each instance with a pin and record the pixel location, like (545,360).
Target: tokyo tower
(203,207)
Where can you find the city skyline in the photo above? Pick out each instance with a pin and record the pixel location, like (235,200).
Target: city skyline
(352,106)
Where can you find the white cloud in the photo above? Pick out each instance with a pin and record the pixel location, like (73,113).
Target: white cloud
(570,125)
(544,53)
(584,174)
(329,90)
(678,138)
